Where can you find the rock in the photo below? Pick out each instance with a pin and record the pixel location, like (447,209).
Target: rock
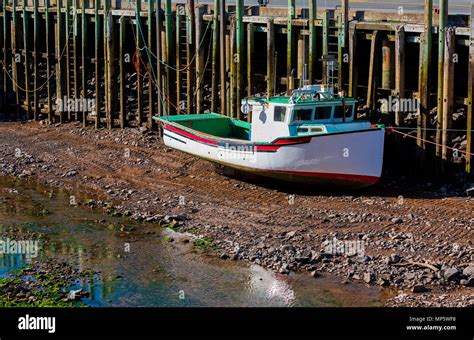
(470,190)
(469,271)
(302,259)
(224,256)
(397,220)
(451,273)
(291,234)
(419,289)
(369,277)
(315,273)
(467,283)
(382,282)
(289,248)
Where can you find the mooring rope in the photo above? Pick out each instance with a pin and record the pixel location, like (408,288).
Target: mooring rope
(392,129)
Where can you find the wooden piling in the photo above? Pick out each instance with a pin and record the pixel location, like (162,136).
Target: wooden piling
(353,65)
(239,58)
(60,48)
(289,48)
(6,54)
(35,59)
(138,63)
(67,55)
(443,19)
(325,45)
(232,68)
(84,63)
(424,81)
(190,59)
(110,66)
(399,69)
(48,61)
(215,46)
(122,43)
(312,10)
(470,99)
(199,50)
(159,81)
(448,92)
(97,65)
(250,68)
(75,58)
(179,66)
(151,80)
(222,45)
(168,35)
(270,57)
(300,58)
(373,68)
(27,61)
(342,43)
(387,66)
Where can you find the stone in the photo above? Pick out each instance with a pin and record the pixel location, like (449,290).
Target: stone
(397,220)
(419,289)
(315,273)
(467,283)
(469,271)
(369,277)
(451,273)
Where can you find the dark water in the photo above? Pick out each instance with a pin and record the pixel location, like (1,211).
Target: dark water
(153,272)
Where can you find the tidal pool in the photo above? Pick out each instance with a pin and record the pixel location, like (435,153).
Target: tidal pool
(135,265)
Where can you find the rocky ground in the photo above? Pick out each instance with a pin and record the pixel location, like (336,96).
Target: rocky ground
(414,239)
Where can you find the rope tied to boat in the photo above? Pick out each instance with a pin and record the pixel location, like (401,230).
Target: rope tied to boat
(390,129)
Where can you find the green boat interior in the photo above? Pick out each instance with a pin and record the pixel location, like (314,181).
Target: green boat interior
(213,124)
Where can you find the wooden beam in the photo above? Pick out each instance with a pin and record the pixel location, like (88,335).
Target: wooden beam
(190,61)
(373,67)
(97,64)
(424,80)
(84,63)
(353,64)
(312,9)
(470,99)
(215,56)
(289,47)
(448,92)
(200,51)
(222,45)
(122,94)
(250,53)
(399,69)
(270,57)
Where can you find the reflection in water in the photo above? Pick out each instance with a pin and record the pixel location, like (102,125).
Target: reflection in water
(154,272)
(266,284)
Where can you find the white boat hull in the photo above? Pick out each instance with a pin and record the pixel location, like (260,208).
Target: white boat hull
(352,158)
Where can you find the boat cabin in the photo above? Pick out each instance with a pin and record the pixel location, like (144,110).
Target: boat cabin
(308,111)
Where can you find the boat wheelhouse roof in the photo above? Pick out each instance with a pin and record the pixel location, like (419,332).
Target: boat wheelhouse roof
(287,100)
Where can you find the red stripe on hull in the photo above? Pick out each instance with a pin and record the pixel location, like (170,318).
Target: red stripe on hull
(331,176)
(189,135)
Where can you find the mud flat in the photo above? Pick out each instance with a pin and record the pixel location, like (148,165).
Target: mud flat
(414,239)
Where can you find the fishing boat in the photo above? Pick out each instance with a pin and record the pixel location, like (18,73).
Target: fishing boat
(310,136)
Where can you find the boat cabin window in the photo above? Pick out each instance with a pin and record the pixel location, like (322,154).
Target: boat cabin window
(322,112)
(279,113)
(338,111)
(302,114)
